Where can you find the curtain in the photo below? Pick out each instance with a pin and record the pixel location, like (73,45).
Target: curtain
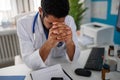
(8,10)
(25,6)
(37,3)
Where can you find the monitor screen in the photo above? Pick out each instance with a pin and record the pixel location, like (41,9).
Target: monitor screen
(118,20)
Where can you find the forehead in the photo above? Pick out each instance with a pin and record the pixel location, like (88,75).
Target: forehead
(51,18)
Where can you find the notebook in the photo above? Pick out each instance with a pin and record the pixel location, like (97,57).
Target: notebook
(50,72)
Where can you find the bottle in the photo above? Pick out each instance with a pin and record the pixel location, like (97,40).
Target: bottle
(111,50)
(118,54)
(105,70)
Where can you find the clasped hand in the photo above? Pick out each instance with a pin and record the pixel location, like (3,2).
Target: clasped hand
(59,32)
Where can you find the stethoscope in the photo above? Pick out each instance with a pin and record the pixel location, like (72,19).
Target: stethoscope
(46,34)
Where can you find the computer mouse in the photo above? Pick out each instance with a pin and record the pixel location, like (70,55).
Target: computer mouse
(82,72)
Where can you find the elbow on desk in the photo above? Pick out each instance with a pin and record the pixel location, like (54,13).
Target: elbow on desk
(30,64)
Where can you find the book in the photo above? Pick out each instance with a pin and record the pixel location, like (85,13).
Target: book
(12,77)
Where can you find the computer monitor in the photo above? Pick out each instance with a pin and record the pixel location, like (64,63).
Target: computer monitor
(118,20)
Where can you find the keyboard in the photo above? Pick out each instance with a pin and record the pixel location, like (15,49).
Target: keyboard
(95,59)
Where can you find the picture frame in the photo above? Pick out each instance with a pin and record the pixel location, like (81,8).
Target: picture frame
(118,20)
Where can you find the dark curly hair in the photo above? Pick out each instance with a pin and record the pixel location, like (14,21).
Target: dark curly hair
(56,8)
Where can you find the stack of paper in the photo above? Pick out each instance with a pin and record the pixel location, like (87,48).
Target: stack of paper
(85,40)
(49,72)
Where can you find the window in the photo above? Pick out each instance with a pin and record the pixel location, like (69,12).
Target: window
(7,10)
(37,3)
(5,5)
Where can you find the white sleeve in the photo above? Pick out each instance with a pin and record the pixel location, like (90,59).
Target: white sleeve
(29,55)
(75,40)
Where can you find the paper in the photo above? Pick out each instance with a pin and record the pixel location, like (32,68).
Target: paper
(99,9)
(48,73)
(85,40)
(115,7)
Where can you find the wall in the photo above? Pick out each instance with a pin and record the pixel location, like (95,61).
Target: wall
(25,6)
(87,15)
(110,19)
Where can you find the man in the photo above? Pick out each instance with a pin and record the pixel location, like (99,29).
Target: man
(49,34)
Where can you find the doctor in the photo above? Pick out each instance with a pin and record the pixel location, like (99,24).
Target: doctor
(48,34)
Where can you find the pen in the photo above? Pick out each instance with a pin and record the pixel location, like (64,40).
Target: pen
(67,74)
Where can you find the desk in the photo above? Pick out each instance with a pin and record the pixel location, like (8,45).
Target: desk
(20,69)
(113,75)
(23,70)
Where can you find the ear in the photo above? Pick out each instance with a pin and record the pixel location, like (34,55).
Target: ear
(40,11)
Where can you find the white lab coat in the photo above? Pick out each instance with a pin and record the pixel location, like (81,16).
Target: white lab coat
(30,47)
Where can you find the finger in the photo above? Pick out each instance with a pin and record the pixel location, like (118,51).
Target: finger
(53,36)
(69,32)
(60,39)
(63,29)
(56,23)
(56,38)
(58,30)
(65,33)
(60,25)
(54,26)
(68,37)
(54,30)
